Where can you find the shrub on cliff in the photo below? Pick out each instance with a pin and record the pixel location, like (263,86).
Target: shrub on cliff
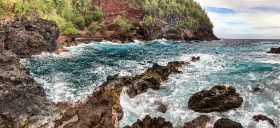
(69,29)
(92,29)
(80,23)
(27,8)
(97,14)
(190,14)
(147,20)
(66,28)
(78,12)
(95,26)
(122,27)
(6,7)
(1,14)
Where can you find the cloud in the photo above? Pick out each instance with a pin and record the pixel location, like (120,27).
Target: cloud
(219,10)
(239,4)
(267,9)
(244,18)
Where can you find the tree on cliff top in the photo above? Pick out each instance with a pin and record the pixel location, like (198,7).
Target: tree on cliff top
(190,13)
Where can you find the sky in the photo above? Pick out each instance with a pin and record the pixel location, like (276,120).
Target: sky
(244,19)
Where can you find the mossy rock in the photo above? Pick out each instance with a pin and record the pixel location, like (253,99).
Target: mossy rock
(219,99)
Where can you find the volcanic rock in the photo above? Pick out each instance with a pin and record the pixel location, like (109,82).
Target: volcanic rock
(257,89)
(219,99)
(274,50)
(23,100)
(29,37)
(261,117)
(148,122)
(199,122)
(226,123)
(195,58)
(102,108)
(162,107)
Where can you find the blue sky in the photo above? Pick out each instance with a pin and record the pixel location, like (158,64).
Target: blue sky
(244,19)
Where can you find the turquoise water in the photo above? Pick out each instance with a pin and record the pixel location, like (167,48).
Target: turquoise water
(242,64)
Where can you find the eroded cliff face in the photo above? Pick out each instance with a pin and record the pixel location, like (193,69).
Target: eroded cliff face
(164,27)
(29,37)
(23,100)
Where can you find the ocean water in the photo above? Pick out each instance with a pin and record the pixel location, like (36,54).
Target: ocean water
(243,64)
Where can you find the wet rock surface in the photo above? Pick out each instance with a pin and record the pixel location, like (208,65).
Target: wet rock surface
(102,108)
(23,100)
(29,37)
(274,50)
(194,59)
(258,90)
(24,103)
(226,123)
(219,99)
(148,122)
(261,117)
(161,107)
(199,122)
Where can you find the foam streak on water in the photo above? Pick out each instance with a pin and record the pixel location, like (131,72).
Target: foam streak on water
(242,64)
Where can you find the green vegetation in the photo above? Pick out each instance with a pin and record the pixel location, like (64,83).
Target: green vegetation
(191,12)
(95,27)
(80,14)
(123,27)
(6,7)
(26,8)
(72,14)
(67,28)
(147,20)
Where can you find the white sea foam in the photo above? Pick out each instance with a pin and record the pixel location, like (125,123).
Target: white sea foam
(212,69)
(181,86)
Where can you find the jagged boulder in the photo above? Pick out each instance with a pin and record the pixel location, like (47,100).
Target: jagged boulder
(199,122)
(161,107)
(29,37)
(23,100)
(219,99)
(274,50)
(261,117)
(149,122)
(226,123)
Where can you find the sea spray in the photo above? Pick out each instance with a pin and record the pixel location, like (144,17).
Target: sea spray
(243,64)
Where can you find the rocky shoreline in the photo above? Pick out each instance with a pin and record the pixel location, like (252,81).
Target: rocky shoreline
(102,108)
(24,102)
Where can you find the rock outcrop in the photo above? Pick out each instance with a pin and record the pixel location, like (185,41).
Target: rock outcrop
(149,122)
(226,123)
(219,99)
(168,30)
(199,122)
(161,107)
(29,37)
(165,27)
(102,108)
(23,100)
(24,103)
(261,117)
(274,50)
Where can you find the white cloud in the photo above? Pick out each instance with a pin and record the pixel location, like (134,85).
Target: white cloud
(240,4)
(246,23)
